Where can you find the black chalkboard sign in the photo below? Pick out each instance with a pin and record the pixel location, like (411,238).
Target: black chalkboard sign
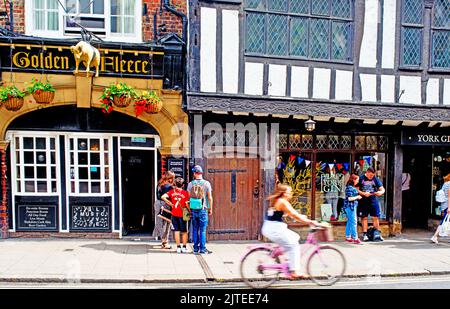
(37,217)
(178,166)
(90,218)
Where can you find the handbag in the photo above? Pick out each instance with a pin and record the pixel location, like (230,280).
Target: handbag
(445,226)
(440,196)
(186,214)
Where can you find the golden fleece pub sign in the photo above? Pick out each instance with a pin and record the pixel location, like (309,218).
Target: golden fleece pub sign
(139,60)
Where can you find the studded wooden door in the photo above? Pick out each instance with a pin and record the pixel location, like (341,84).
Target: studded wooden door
(236,188)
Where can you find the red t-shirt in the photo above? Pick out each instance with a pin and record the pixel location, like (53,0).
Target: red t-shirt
(180,196)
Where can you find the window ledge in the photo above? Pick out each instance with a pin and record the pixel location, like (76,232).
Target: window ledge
(250,55)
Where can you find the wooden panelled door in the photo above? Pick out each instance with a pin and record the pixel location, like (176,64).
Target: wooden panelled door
(237,213)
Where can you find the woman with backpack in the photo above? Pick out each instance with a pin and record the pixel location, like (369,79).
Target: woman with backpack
(445,209)
(162,210)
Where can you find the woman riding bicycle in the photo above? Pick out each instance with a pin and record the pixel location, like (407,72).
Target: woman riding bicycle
(276,230)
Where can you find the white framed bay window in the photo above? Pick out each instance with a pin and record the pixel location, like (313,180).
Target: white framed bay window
(112,20)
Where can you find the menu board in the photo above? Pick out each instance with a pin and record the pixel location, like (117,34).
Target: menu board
(37,217)
(90,218)
(177,166)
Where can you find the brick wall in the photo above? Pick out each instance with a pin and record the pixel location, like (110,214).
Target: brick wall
(19,17)
(172,22)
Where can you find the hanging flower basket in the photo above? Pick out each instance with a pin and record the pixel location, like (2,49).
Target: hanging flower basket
(43,93)
(148,102)
(13,104)
(12,98)
(120,95)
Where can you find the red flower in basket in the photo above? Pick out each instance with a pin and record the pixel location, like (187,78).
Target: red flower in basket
(148,102)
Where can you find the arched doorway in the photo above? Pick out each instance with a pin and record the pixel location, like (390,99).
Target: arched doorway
(81,171)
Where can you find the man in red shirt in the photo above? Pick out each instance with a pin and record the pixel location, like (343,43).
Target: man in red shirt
(177,199)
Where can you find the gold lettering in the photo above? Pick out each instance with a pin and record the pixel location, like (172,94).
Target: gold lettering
(48,61)
(65,63)
(136,68)
(144,65)
(35,61)
(117,64)
(56,59)
(21,60)
(41,60)
(122,63)
(109,63)
(130,63)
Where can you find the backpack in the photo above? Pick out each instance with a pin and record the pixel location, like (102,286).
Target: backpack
(440,196)
(196,195)
(373,234)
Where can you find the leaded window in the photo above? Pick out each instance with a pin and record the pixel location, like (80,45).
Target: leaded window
(412,33)
(313,29)
(440,35)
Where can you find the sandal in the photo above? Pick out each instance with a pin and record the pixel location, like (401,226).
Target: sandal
(166,246)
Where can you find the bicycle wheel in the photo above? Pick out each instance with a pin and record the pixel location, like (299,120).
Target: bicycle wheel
(326,265)
(252,272)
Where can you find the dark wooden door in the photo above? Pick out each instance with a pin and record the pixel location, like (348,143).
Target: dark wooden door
(236,184)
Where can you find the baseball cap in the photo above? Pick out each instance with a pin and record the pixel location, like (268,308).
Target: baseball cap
(197,169)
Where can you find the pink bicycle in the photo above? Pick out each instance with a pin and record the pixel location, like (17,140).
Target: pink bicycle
(262,264)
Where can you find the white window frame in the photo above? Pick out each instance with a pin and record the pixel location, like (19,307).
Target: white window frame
(136,37)
(102,166)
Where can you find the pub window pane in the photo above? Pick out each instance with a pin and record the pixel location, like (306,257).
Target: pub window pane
(277,34)
(82,144)
(107,187)
(299,6)
(295,141)
(53,171)
(340,42)
(360,142)
(255,41)
(18,175)
(95,172)
(321,142)
(342,8)
(98,6)
(52,143)
(333,141)
(82,173)
(72,158)
(321,7)
(41,158)
(412,12)
(283,141)
(412,46)
(372,142)
(28,143)
(320,39)
(28,157)
(94,145)
(40,143)
(84,187)
(54,187)
(29,171)
(307,141)
(82,158)
(19,186)
(278,5)
(72,187)
(17,157)
(71,144)
(41,172)
(95,187)
(52,157)
(440,57)
(41,186)
(17,143)
(95,159)
(106,159)
(299,37)
(29,186)
(84,6)
(105,144)
(106,172)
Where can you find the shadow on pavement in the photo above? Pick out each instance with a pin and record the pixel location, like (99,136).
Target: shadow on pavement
(137,248)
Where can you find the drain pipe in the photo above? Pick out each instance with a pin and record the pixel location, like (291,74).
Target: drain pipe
(183,17)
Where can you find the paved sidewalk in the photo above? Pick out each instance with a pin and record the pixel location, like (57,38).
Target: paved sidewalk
(69,260)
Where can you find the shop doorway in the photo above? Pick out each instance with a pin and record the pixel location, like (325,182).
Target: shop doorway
(417,200)
(137,170)
(236,187)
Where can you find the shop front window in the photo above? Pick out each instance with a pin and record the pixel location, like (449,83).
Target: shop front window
(333,174)
(441,168)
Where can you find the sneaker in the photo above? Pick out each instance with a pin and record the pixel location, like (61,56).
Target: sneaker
(184,250)
(206,251)
(357,241)
(434,239)
(365,238)
(178,249)
(349,240)
(195,252)
(381,238)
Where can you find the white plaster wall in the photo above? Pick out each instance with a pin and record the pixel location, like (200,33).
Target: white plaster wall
(447,91)
(208,49)
(321,86)
(433,91)
(388,88)
(277,80)
(368,87)
(344,85)
(412,87)
(299,82)
(230,51)
(389,28)
(254,78)
(368,54)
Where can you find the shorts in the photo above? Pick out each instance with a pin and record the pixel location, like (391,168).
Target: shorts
(179,225)
(366,209)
